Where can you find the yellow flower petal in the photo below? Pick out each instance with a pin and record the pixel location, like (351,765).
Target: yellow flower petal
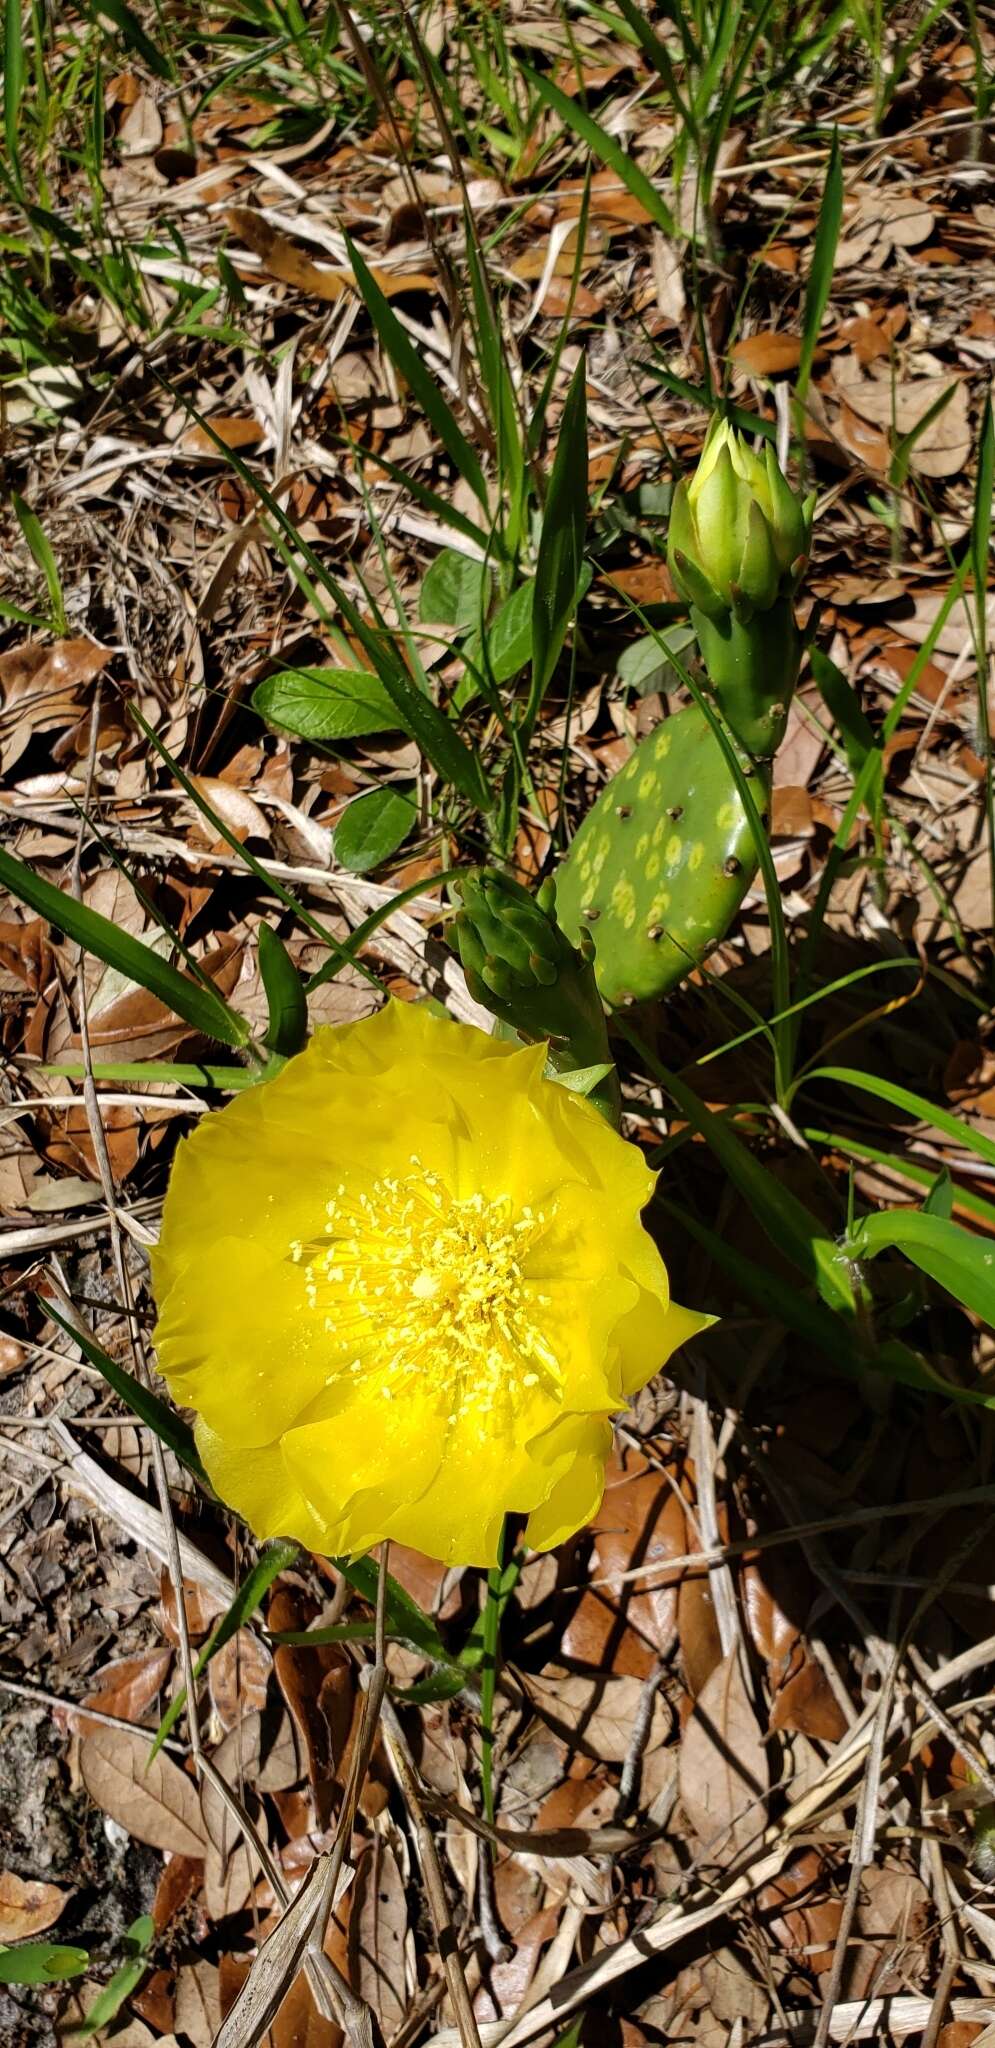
(404,1284)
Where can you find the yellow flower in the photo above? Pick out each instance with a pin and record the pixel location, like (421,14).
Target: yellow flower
(405,1285)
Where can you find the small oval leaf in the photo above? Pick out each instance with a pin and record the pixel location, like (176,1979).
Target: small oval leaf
(373,827)
(326,703)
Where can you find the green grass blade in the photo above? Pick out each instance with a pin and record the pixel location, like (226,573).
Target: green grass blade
(834,1336)
(187,1076)
(560,562)
(908,1169)
(914,1105)
(134,35)
(13,85)
(168,1426)
(286,1030)
(204,1011)
(960,1262)
(406,359)
(43,557)
(604,146)
(660,58)
(276,1558)
(820,275)
(785,1220)
(981,531)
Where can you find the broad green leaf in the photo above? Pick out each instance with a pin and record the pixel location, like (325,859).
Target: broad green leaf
(645,664)
(405,357)
(576,117)
(41,1962)
(286,1030)
(276,1558)
(373,826)
(560,564)
(507,638)
(962,1263)
(327,703)
(454,592)
(169,1427)
(200,1007)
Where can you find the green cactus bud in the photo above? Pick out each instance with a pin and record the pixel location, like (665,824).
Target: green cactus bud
(736,517)
(522,967)
(662,862)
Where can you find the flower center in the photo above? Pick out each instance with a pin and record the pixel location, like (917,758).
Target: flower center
(426,1293)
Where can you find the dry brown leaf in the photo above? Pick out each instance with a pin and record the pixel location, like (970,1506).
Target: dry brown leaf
(378,1925)
(231,1866)
(509,1980)
(698,1630)
(234,807)
(198,2003)
(893,1915)
(156,1803)
(724,1772)
(238,1677)
(127,1687)
(27,1906)
(597,1714)
(804,1916)
(318,1686)
(763,355)
(945,445)
(292,264)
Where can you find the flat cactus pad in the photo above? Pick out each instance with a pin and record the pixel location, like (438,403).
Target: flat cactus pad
(662,861)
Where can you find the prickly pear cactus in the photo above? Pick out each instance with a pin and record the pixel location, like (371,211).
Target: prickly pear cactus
(662,862)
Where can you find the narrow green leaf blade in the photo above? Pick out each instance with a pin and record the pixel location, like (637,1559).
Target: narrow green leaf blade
(168,1426)
(286,1030)
(276,1558)
(958,1128)
(560,563)
(820,276)
(959,1261)
(200,1007)
(604,146)
(406,359)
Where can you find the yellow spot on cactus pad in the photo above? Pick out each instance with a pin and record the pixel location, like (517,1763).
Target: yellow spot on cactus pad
(661,905)
(696,855)
(642,845)
(727,817)
(658,831)
(629,920)
(623,896)
(652,866)
(647,784)
(673,850)
(662,743)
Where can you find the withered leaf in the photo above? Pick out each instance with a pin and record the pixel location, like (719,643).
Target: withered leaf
(724,1771)
(27,1906)
(378,1924)
(156,1803)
